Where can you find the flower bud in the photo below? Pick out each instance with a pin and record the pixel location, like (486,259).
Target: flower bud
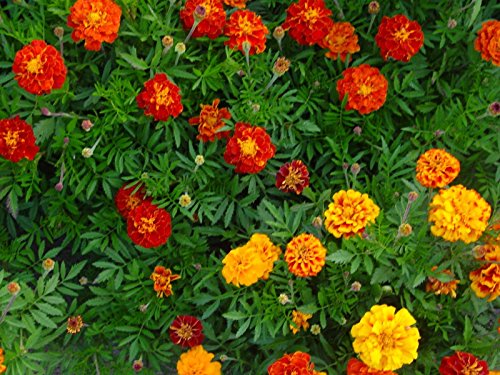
(45,111)
(83,280)
(356,286)
(355,168)
(13,288)
(87,125)
(278,33)
(494,109)
(345,166)
(59,186)
(87,152)
(143,308)
(283,299)
(357,130)
(412,196)
(246,45)
(452,23)
(199,160)
(387,289)
(223,358)
(315,329)
(167,41)
(48,264)
(373,7)
(438,133)
(281,66)
(405,230)
(317,222)
(185,200)
(59,32)
(66,140)
(180,48)
(199,13)
(138,365)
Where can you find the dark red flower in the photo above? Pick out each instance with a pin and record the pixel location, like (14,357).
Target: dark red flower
(17,140)
(148,225)
(186,331)
(462,363)
(126,200)
(160,98)
(246,26)
(292,176)
(212,23)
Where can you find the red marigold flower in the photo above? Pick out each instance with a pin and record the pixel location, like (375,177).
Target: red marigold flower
(308,21)
(186,331)
(126,200)
(442,287)
(163,278)
(17,140)
(488,41)
(149,226)
(399,38)
(210,120)
(297,363)
(340,41)
(39,68)
(462,363)
(246,26)
(75,324)
(160,98)
(365,86)
(236,3)
(212,24)
(437,168)
(94,21)
(292,176)
(356,367)
(249,148)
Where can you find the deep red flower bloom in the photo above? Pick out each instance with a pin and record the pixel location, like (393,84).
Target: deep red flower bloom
(462,363)
(39,68)
(149,226)
(160,98)
(292,176)
(212,24)
(246,26)
(126,200)
(399,38)
(308,21)
(186,331)
(17,140)
(356,367)
(298,363)
(249,148)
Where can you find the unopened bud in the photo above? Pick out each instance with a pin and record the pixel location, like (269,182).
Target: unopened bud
(373,7)
(355,168)
(13,288)
(83,280)
(405,230)
(283,299)
(48,264)
(180,48)
(317,222)
(59,186)
(452,23)
(345,166)
(255,107)
(412,196)
(387,289)
(356,286)
(45,111)
(87,152)
(87,125)
(494,109)
(281,66)
(167,41)
(66,140)
(144,175)
(246,46)
(197,266)
(143,308)
(59,32)
(315,329)
(346,274)
(223,358)
(199,13)
(138,365)
(278,33)
(357,130)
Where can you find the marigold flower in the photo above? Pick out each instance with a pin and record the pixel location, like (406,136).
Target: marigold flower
(308,21)
(126,200)
(373,7)
(3,368)
(148,225)
(160,98)
(94,21)
(442,287)
(365,87)
(305,255)
(494,109)
(198,361)
(437,168)
(459,214)
(281,66)
(249,148)
(243,266)
(163,278)
(488,41)
(356,367)
(399,38)
(462,363)
(315,329)
(405,230)
(137,365)
(199,160)
(39,68)
(13,288)
(210,120)
(278,33)
(292,177)
(350,213)
(186,331)
(300,320)
(185,200)
(212,24)
(340,41)
(283,299)
(268,252)
(17,140)
(48,264)
(241,4)
(296,363)
(75,324)
(486,279)
(385,339)
(244,26)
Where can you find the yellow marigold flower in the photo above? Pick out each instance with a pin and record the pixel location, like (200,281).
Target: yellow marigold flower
(198,361)
(268,252)
(300,320)
(459,214)
(75,324)
(385,339)
(442,287)
(305,255)
(48,264)
(350,213)
(284,299)
(243,266)
(437,168)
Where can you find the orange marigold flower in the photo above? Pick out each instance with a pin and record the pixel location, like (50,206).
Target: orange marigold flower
(350,213)
(268,252)
(39,68)
(399,38)
(488,41)
(210,121)
(13,288)
(249,148)
(486,279)
(186,331)
(163,278)
(3,368)
(236,3)
(459,214)
(75,324)
(160,98)
(126,200)
(94,21)
(246,26)
(300,320)
(356,367)
(462,363)
(148,225)
(212,24)
(308,21)
(340,41)
(243,266)
(17,140)
(297,363)
(198,361)
(438,287)
(365,87)
(305,255)
(437,168)
(292,176)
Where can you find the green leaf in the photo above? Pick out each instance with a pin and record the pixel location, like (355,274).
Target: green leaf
(234,315)
(340,257)
(243,328)
(475,12)
(43,319)
(134,61)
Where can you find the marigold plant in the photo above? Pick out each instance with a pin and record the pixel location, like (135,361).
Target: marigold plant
(246,27)
(17,140)
(437,168)
(305,255)
(488,41)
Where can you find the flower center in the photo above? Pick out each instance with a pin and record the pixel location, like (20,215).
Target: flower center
(163,96)
(246,27)
(248,147)
(386,341)
(402,35)
(311,14)
(147,225)
(472,369)
(185,331)
(365,90)
(293,179)
(11,138)
(34,65)
(303,254)
(95,18)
